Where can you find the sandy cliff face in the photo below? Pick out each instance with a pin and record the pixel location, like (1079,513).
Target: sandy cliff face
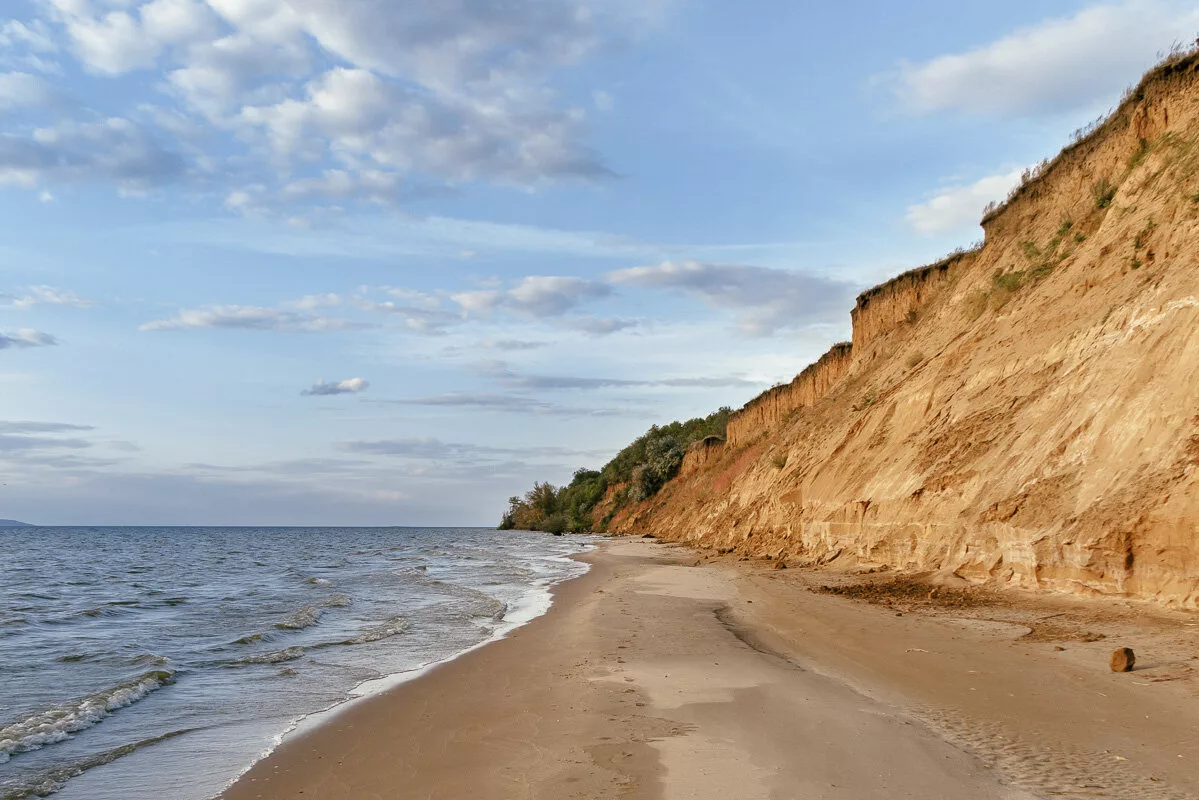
(1026,413)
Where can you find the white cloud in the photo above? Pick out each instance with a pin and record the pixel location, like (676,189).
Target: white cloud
(35,36)
(325,101)
(1057,65)
(117,41)
(765,300)
(348,386)
(25,338)
(46,295)
(535,296)
(428,447)
(14,426)
(22,90)
(358,117)
(960,207)
(114,150)
(603,326)
(513,404)
(250,318)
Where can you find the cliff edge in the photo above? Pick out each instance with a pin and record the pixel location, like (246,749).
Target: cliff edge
(1026,412)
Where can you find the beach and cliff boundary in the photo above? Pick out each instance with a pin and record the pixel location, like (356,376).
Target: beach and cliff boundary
(1013,414)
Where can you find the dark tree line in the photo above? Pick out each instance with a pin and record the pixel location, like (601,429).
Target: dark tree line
(639,470)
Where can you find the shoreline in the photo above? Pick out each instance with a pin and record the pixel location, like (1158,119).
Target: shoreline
(662,673)
(374,687)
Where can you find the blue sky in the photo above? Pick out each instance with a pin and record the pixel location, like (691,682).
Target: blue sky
(319,262)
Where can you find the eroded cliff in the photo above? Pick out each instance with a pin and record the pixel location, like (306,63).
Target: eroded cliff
(1026,412)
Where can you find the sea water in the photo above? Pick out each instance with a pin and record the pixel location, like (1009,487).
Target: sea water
(150,663)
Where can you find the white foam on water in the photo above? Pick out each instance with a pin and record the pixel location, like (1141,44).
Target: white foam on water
(58,723)
(530,606)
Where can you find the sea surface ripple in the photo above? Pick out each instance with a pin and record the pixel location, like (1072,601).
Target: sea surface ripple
(142,663)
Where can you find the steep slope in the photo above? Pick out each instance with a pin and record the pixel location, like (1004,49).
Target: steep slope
(1026,412)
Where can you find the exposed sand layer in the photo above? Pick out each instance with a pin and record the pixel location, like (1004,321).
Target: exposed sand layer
(1022,414)
(653,677)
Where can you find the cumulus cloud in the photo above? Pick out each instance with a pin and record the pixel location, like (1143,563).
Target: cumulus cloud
(536,296)
(765,300)
(958,207)
(25,338)
(115,151)
(250,318)
(35,36)
(348,386)
(336,101)
(361,117)
(1057,65)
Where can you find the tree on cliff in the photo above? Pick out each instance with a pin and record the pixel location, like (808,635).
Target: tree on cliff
(637,472)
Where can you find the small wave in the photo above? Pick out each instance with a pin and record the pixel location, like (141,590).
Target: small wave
(73,657)
(110,609)
(393,627)
(306,617)
(493,608)
(249,638)
(52,780)
(277,657)
(58,723)
(149,660)
(319,582)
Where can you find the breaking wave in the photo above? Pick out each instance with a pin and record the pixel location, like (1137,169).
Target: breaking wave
(306,617)
(50,781)
(276,657)
(56,724)
(393,627)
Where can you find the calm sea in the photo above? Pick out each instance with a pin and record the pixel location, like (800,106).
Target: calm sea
(150,663)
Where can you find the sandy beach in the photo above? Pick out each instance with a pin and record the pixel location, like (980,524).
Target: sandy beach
(664,673)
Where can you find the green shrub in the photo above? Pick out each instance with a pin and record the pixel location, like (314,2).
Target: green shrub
(1139,156)
(1104,192)
(1008,281)
(645,466)
(779,460)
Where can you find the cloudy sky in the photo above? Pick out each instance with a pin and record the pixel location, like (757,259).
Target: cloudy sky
(378,262)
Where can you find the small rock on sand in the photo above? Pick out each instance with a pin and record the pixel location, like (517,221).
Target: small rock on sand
(780,565)
(1122,660)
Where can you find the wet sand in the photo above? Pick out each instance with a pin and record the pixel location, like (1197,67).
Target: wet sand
(660,675)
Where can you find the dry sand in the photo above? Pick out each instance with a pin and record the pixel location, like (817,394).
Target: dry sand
(652,677)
